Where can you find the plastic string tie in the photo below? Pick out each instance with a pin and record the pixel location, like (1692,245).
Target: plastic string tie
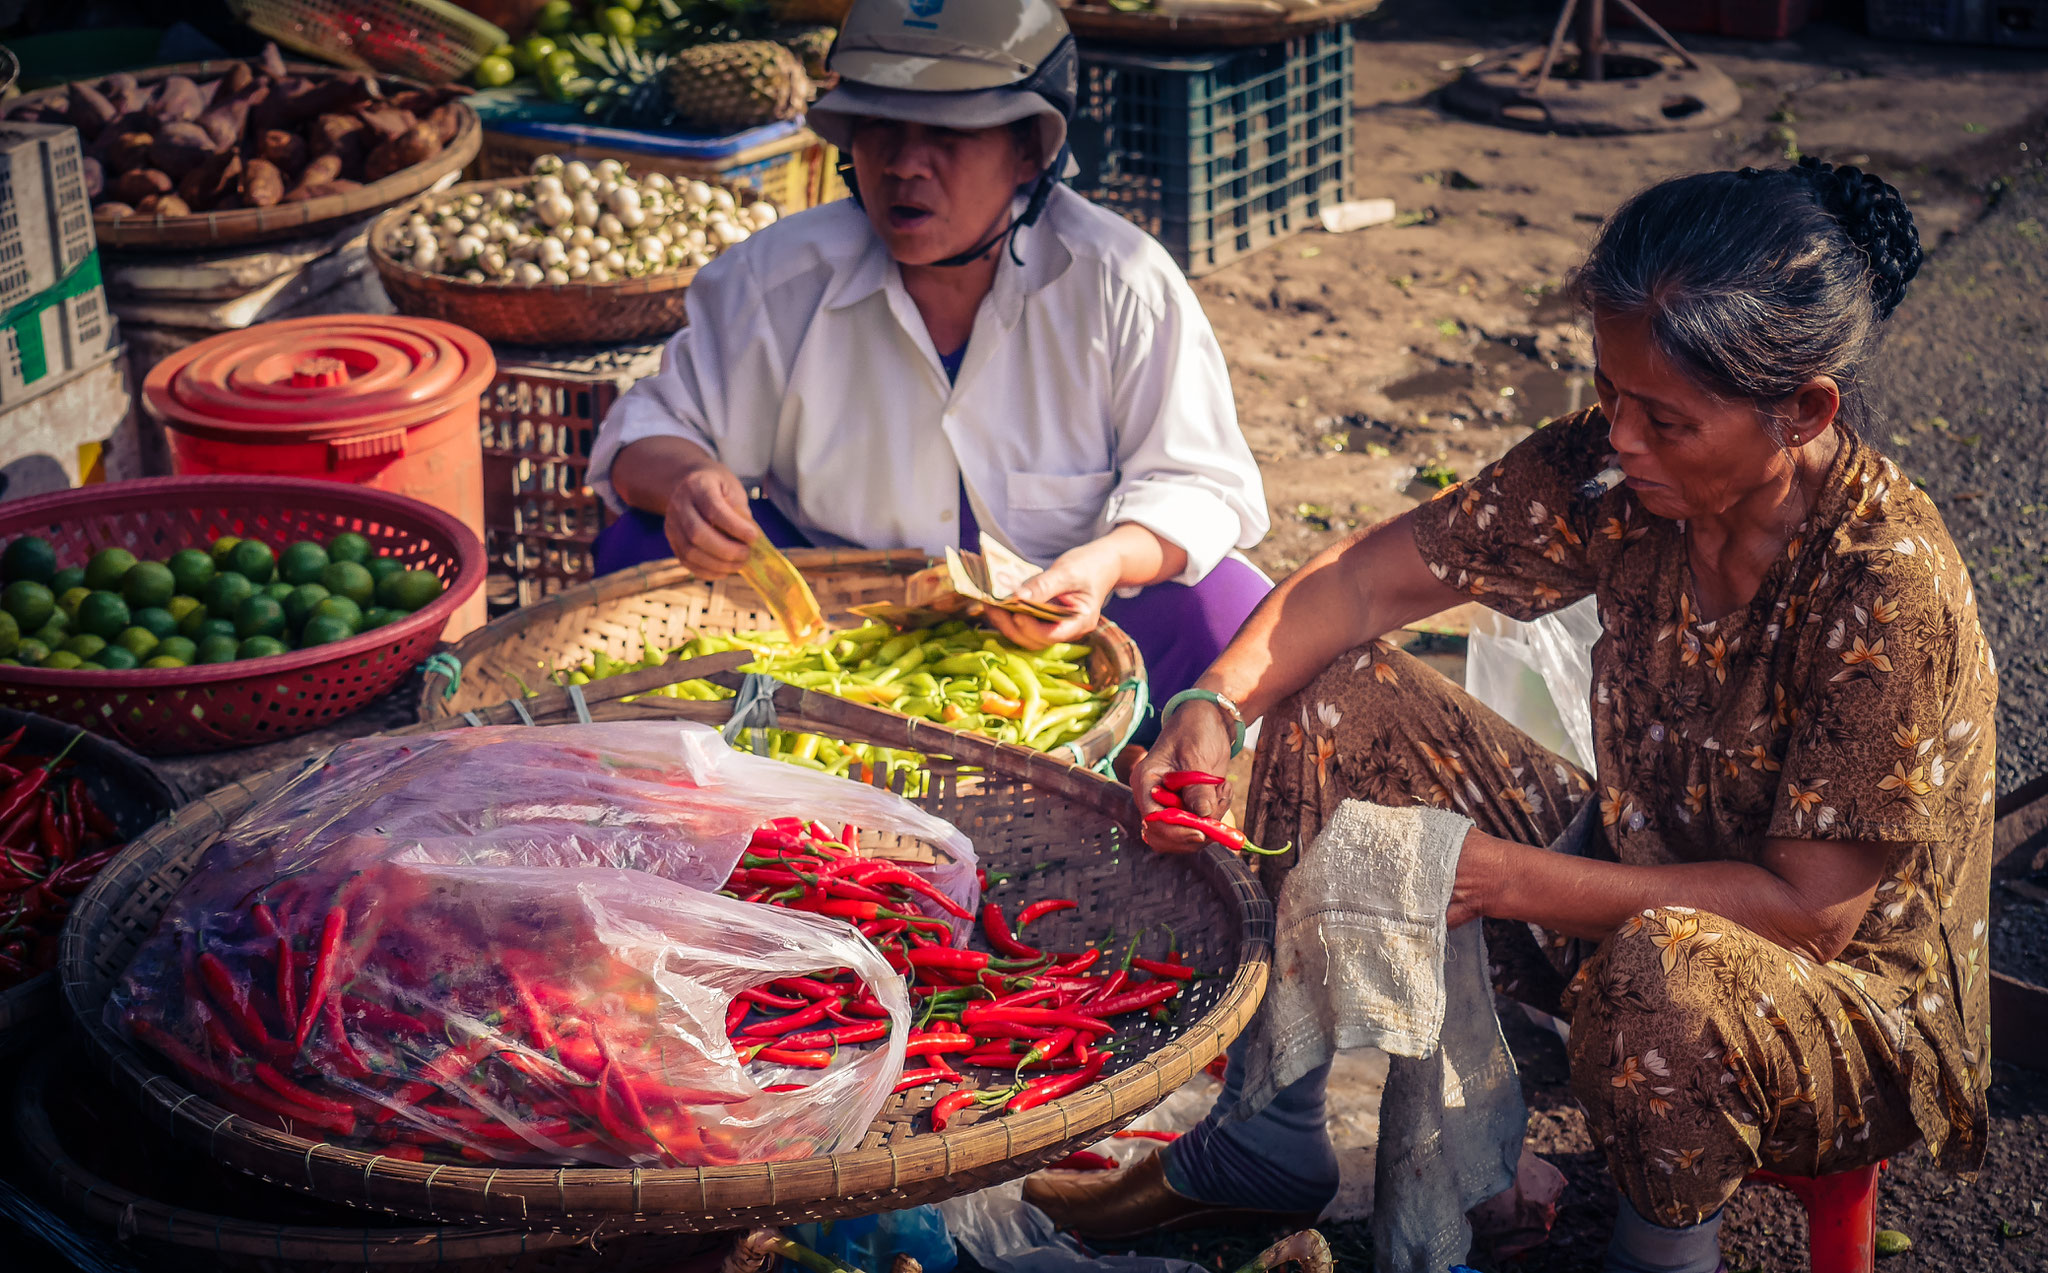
(582,706)
(519,706)
(753,711)
(450,669)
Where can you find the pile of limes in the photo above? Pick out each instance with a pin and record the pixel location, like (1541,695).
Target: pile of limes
(238,600)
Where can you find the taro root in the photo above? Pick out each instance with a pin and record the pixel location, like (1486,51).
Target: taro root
(178,98)
(140,183)
(113,211)
(180,148)
(271,62)
(235,83)
(262,184)
(387,124)
(203,186)
(163,205)
(127,152)
(90,111)
(224,124)
(304,193)
(415,146)
(286,150)
(320,170)
(446,121)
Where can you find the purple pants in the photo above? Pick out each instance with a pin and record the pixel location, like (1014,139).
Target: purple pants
(1179,629)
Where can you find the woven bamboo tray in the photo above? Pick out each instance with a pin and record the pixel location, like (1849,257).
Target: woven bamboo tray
(1236,30)
(1021,809)
(131,791)
(613,313)
(284,220)
(128,1181)
(662,603)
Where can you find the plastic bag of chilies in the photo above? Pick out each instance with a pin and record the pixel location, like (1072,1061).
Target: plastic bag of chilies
(504,945)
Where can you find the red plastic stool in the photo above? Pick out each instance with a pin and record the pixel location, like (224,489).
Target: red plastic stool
(1841,1217)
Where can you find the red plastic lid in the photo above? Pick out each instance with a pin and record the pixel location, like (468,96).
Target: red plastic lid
(319,379)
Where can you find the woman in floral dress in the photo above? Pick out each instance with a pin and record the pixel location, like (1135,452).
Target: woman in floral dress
(1773,955)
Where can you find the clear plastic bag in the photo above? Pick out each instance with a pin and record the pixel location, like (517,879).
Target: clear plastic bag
(503,945)
(1539,676)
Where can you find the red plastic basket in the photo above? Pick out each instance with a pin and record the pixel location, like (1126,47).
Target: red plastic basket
(173,711)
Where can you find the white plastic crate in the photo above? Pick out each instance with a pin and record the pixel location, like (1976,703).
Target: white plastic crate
(45,217)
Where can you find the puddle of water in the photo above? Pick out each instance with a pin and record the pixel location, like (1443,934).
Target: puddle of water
(1506,382)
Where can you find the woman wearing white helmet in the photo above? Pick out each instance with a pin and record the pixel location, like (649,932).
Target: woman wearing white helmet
(966,347)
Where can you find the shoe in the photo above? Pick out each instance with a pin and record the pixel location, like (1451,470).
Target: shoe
(1134,1201)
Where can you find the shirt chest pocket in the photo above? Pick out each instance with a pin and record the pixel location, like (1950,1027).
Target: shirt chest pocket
(1052,512)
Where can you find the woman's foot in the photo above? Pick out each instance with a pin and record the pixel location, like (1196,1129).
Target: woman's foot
(1109,1206)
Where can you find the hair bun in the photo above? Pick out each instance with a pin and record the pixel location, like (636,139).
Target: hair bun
(1875,217)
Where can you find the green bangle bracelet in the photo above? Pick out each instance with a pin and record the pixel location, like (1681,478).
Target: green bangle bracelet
(1228,708)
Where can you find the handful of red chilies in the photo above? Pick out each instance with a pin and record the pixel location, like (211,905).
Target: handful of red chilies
(1172,814)
(53,840)
(1042,1021)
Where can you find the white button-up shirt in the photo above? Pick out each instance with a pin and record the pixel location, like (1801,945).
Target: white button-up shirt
(1093,392)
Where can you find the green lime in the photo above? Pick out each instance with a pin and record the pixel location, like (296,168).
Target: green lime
(167,661)
(409,591)
(347,579)
(193,625)
(261,647)
(219,648)
(349,546)
(382,566)
(10,633)
(301,562)
(560,65)
(104,614)
(254,560)
(214,627)
(529,53)
(221,550)
(494,72)
(183,649)
(31,651)
(138,641)
(62,661)
(10,662)
(157,621)
(181,606)
(51,634)
(325,629)
(227,591)
(66,579)
(192,567)
(116,659)
(377,617)
(107,568)
(30,558)
(259,617)
(29,602)
(343,609)
(555,17)
(85,645)
(148,583)
(69,601)
(617,20)
(277,590)
(299,606)
(91,665)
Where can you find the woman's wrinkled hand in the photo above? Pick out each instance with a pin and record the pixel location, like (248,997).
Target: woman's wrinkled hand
(708,522)
(1196,737)
(1081,580)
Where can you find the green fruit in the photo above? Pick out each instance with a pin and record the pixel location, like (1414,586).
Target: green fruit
(29,558)
(10,662)
(167,661)
(157,621)
(31,652)
(276,590)
(10,633)
(51,635)
(116,659)
(529,53)
(29,602)
(227,591)
(409,591)
(259,617)
(254,561)
(325,629)
(617,20)
(192,569)
(148,583)
(63,661)
(377,617)
(1891,1242)
(221,550)
(219,648)
(85,645)
(214,628)
(299,606)
(104,614)
(193,625)
(183,649)
(341,608)
(301,563)
(261,647)
(382,566)
(494,72)
(347,579)
(561,64)
(107,568)
(138,641)
(349,546)
(66,579)
(69,601)
(182,606)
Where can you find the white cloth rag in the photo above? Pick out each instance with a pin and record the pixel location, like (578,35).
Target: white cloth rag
(1363,960)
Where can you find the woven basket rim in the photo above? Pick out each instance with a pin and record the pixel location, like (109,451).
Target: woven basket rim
(765,1189)
(1212,30)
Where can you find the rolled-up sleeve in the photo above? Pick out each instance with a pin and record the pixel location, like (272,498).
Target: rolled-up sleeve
(715,375)
(1185,473)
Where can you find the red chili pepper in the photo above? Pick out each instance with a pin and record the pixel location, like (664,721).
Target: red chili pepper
(1077,964)
(999,936)
(1052,1089)
(735,1014)
(1149,995)
(538,1026)
(781,1003)
(1165,799)
(950,1105)
(1228,836)
(919,1078)
(794,1021)
(331,930)
(1053,1018)
(57,845)
(934,1044)
(780,1056)
(843,909)
(1083,1160)
(1039,910)
(863,1033)
(907,878)
(350,1061)
(1159,968)
(24,789)
(13,740)
(947,957)
(1050,1048)
(1133,1133)
(1182,779)
(231,998)
(809,988)
(96,818)
(270,1078)
(786,1087)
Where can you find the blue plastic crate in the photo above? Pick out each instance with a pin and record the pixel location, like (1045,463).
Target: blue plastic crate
(1218,154)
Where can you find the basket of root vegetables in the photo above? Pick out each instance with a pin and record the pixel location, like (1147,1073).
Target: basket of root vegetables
(569,254)
(213,154)
(1080,702)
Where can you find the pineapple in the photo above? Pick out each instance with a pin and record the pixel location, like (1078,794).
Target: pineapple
(739,85)
(811,43)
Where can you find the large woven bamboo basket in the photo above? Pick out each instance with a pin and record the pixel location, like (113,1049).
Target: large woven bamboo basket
(1102,24)
(128,1184)
(663,604)
(623,310)
(1072,830)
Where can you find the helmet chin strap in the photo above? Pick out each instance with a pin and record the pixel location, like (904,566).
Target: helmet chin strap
(1041,191)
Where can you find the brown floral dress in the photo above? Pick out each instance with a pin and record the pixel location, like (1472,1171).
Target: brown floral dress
(1852,699)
